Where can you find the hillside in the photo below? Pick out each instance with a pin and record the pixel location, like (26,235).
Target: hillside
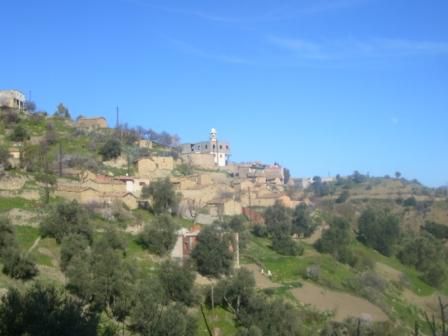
(91,206)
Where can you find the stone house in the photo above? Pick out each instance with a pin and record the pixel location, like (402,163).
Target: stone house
(105,184)
(91,123)
(262,174)
(134,185)
(13,99)
(81,194)
(224,207)
(144,143)
(86,195)
(191,182)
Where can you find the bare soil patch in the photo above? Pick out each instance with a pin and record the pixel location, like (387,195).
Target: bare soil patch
(343,305)
(387,272)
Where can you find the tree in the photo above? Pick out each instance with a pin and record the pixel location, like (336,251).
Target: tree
(153,315)
(149,304)
(101,278)
(397,175)
(72,245)
(110,150)
(234,293)
(320,188)
(44,311)
(272,317)
(4,157)
(302,224)
(62,111)
(19,134)
(278,220)
(336,240)
(287,175)
(66,218)
(178,282)
(163,196)
(343,197)
(211,254)
(439,231)
(159,236)
(427,255)
(17,265)
(30,106)
(379,230)
(410,202)
(357,177)
(7,235)
(175,321)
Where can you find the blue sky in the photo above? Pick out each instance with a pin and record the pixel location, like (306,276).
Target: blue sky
(321,86)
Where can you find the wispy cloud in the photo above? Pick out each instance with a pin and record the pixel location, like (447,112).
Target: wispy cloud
(355,49)
(277,13)
(189,49)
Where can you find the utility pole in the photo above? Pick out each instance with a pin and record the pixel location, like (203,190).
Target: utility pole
(60,159)
(117,125)
(237,250)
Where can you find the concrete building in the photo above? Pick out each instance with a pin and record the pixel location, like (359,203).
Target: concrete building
(224,207)
(12,99)
(186,241)
(91,123)
(219,150)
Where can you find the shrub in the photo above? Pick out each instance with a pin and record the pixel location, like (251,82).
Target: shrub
(18,266)
(159,237)
(260,230)
(343,197)
(19,134)
(66,218)
(163,196)
(286,246)
(110,150)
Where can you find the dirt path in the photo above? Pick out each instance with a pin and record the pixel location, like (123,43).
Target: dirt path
(36,242)
(262,281)
(316,235)
(343,305)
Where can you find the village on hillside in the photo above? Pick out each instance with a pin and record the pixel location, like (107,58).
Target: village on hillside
(218,187)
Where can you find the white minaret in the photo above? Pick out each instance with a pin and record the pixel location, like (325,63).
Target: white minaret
(220,158)
(213,134)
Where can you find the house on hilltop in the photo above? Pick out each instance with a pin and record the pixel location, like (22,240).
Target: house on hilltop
(91,123)
(12,99)
(207,153)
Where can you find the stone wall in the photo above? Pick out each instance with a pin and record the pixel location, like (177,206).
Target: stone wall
(91,123)
(156,166)
(200,160)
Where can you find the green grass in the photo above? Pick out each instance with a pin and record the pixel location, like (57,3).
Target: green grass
(26,235)
(289,270)
(52,246)
(8,203)
(217,318)
(137,253)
